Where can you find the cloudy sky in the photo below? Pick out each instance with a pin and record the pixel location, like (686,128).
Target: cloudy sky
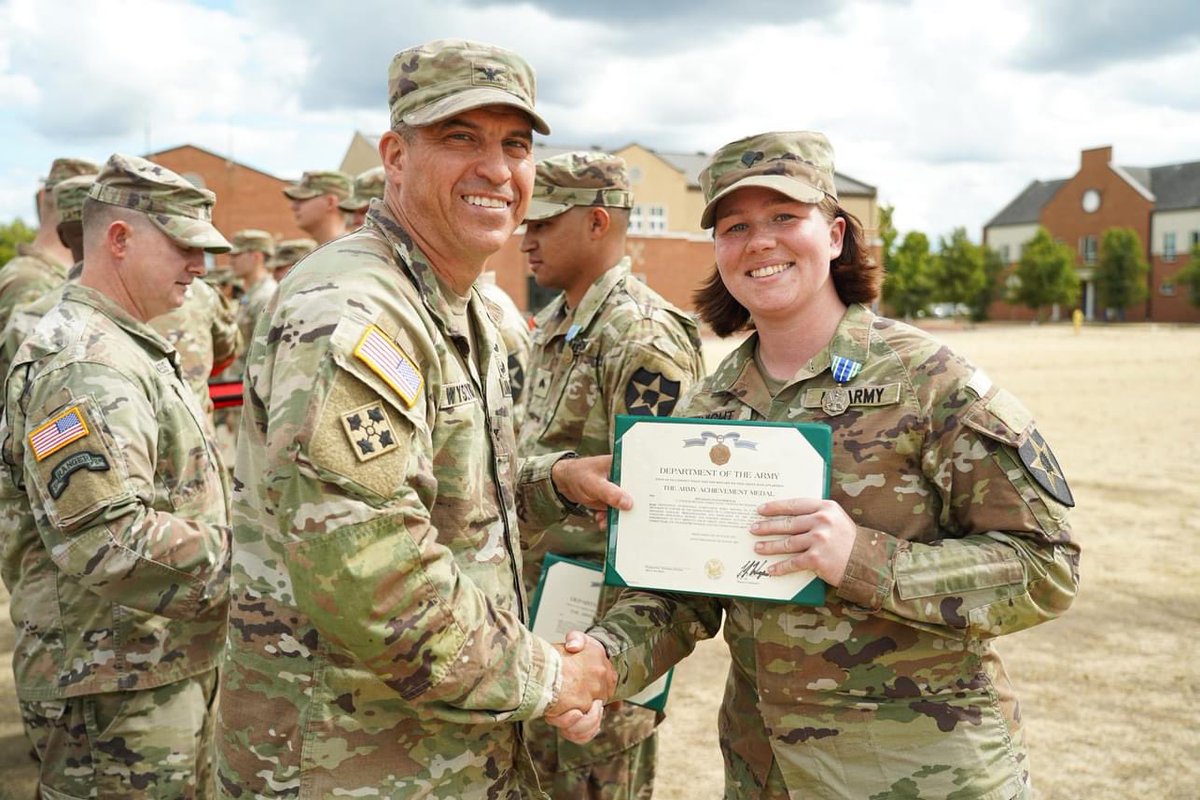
(949,108)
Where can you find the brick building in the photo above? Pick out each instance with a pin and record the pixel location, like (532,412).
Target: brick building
(246,197)
(1160,204)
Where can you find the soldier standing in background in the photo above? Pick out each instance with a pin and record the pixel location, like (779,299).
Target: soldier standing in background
(315,201)
(368,186)
(378,641)
(115,508)
(287,253)
(607,345)
(42,264)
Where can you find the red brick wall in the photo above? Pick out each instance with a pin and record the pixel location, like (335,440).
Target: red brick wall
(1176,308)
(1121,206)
(246,198)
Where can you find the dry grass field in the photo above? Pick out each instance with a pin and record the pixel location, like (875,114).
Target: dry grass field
(1111,691)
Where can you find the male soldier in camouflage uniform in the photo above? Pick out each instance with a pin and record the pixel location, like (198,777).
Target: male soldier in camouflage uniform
(315,199)
(946,524)
(42,264)
(607,345)
(115,515)
(514,330)
(368,186)
(203,330)
(287,253)
(378,644)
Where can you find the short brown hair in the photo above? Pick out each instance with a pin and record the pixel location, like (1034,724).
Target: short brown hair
(856,277)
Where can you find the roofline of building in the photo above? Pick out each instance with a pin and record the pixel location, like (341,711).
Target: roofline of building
(214,154)
(1125,176)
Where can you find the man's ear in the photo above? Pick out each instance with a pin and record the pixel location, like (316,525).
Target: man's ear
(117,238)
(391,153)
(599,221)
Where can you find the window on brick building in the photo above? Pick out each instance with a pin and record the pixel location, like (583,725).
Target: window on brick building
(1195,238)
(1168,247)
(648,220)
(1167,289)
(1087,249)
(1005,253)
(657,219)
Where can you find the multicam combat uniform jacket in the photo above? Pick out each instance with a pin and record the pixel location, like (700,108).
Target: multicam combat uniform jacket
(378,637)
(23,280)
(249,308)
(893,688)
(115,512)
(623,350)
(203,332)
(514,330)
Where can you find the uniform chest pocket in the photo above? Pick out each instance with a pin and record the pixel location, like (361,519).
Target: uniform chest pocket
(568,393)
(187,463)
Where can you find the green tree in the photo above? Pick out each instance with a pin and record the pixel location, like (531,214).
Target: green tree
(11,235)
(1121,272)
(887,234)
(993,266)
(1046,274)
(958,272)
(908,285)
(1189,276)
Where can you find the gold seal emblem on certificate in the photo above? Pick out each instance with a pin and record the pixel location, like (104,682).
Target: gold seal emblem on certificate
(714,568)
(835,401)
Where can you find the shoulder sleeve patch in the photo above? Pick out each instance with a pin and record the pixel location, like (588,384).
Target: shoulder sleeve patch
(385,358)
(1039,460)
(58,432)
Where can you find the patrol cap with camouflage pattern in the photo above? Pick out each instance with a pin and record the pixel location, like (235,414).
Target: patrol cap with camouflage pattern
(579,179)
(318,182)
(63,168)
(368,186)
(252,240)
(798,164)
(436,80)
(289,251)
(177,208)
(69,195)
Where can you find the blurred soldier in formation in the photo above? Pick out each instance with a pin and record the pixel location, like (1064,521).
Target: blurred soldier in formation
(368,186)
(287,253)
(115,521)
(315,201)
(42,264)
(378,641)
(514,330)
(607,345)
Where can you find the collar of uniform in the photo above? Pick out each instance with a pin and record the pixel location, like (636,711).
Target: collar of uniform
(598,293)
(30,250)
(851,340)
(738,375)
(414,262)
(88,296)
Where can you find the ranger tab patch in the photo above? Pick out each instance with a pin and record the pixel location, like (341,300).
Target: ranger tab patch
(57,433)
(650,394)
(1043,466)
(385,358)
(369,431)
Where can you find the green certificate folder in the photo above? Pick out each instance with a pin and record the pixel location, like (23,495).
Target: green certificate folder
(696,484)
(566,599)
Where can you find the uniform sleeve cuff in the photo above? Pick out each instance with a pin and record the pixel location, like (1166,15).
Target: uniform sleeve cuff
(545,682)
(869,577)
(538,502)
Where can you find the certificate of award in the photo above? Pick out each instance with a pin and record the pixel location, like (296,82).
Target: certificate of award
(566,599)
(696,485)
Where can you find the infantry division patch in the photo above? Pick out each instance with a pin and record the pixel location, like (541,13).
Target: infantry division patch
(369,431)
(385,358)
(649,394)
(1043,466)
(516,376)
(58,432)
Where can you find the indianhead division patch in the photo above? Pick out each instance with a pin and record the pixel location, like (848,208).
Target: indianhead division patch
(58,432)
(650,394)
(1043,466)
(369,431)
(385,358)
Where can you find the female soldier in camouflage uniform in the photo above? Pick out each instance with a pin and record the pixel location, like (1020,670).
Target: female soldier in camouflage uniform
(946,525)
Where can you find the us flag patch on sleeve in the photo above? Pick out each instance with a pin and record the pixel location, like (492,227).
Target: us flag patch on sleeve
(52,436)
(385,358)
